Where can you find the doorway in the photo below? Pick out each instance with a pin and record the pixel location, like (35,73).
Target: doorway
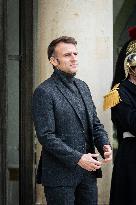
(17,160)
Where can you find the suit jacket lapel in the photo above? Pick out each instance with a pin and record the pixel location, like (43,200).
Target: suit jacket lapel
(69,96)
(87,99)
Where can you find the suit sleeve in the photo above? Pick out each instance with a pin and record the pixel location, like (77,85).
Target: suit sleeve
(44,121)
(100,136)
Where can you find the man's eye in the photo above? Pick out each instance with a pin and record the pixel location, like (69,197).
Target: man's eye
(69,54)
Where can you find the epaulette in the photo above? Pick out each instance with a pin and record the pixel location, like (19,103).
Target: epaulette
(112,98)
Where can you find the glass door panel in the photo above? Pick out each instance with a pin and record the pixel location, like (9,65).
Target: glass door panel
(13,101)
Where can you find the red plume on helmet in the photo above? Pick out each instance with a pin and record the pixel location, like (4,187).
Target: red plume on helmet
(132,32)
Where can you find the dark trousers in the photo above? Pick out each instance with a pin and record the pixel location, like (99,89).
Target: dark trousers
(123,185)
(82,193)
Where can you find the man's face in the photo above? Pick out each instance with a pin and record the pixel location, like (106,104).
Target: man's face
(65,57)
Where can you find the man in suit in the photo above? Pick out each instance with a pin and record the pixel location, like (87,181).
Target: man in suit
(68,129)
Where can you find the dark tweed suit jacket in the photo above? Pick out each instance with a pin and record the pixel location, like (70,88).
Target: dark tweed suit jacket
(60,130)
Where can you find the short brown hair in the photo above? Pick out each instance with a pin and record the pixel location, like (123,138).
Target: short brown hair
(64,39)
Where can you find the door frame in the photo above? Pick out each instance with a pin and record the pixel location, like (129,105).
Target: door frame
(26,159)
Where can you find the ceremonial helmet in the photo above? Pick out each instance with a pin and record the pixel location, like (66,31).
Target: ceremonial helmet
(130,60)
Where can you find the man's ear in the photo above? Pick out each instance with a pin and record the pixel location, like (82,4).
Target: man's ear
(53,61)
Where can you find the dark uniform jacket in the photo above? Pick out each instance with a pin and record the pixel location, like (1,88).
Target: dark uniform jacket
(124,114)
(123,190)
(60,130)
